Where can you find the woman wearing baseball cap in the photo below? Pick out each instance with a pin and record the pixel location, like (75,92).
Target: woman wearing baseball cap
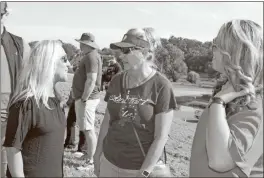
(140,104)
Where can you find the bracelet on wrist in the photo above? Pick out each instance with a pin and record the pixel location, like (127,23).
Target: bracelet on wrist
(217,100)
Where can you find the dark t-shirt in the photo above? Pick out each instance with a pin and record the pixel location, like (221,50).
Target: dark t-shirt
(145,101)
(39,134)
(111,71)
(90,63)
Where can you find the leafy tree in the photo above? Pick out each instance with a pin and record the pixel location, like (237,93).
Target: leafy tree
(211,72)
(70,50)
(198,63)
(170,61)
(179,42)
(207,44)
(152,37)
(164,42)
(75,59)
(107,51)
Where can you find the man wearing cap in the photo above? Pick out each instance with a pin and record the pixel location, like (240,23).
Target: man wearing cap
(13,50)
(86,91)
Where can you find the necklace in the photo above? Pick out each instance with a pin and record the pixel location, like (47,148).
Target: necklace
(138,82)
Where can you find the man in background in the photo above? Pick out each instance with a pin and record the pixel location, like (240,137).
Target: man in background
(112,69)
(13,50)
(86,91)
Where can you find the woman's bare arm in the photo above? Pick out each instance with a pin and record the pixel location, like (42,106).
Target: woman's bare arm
(102,133)
(218,134)
(162,128)
(15,162)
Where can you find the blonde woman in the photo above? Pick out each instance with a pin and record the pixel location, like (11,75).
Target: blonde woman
(36,123)
(139,98)
(228,141)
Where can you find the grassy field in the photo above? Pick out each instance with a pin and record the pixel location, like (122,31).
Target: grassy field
(180,138)
(178,146)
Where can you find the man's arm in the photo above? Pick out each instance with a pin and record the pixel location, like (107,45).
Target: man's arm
(91,68)
(89,85)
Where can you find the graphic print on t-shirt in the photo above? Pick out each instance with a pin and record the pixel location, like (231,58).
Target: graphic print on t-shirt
(129,108)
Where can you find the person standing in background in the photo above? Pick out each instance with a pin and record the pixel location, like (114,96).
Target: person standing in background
(13,50)
(112,69)
(86,88)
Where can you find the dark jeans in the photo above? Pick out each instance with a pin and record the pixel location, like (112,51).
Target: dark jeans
(71,121)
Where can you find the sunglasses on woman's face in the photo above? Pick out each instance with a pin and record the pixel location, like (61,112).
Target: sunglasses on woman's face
(128,50)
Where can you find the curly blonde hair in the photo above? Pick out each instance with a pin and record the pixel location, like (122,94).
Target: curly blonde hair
(241,43)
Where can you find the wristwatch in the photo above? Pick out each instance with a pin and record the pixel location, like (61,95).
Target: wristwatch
(145,173)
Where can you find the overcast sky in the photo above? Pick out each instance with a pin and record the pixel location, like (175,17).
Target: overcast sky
(108,21)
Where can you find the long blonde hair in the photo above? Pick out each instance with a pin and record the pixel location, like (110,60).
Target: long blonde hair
(38,71)
(241,43)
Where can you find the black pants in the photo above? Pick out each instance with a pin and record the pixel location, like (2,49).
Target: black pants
(71,120)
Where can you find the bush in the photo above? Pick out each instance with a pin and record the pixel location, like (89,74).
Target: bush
(193,77)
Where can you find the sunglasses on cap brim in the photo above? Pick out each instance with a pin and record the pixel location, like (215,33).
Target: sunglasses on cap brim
(138,42)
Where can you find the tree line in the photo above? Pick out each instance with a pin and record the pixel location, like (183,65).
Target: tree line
(175,57)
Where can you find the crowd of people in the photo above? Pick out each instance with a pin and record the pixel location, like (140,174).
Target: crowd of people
(228,141)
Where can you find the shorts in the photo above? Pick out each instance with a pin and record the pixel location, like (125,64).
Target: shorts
(85,113)
(107,169)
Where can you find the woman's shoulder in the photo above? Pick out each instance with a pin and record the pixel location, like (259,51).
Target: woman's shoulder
(24,103)
(162,80)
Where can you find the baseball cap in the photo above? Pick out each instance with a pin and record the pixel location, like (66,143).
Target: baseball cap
(131,40)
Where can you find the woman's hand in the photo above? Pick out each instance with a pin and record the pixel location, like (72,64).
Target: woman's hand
(228,94)
(96,159)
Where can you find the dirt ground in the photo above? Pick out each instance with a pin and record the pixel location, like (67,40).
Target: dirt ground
(178,147)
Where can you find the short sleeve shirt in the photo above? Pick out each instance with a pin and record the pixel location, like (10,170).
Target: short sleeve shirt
(90,63)
(140,105)
(39,133)
(245,144)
